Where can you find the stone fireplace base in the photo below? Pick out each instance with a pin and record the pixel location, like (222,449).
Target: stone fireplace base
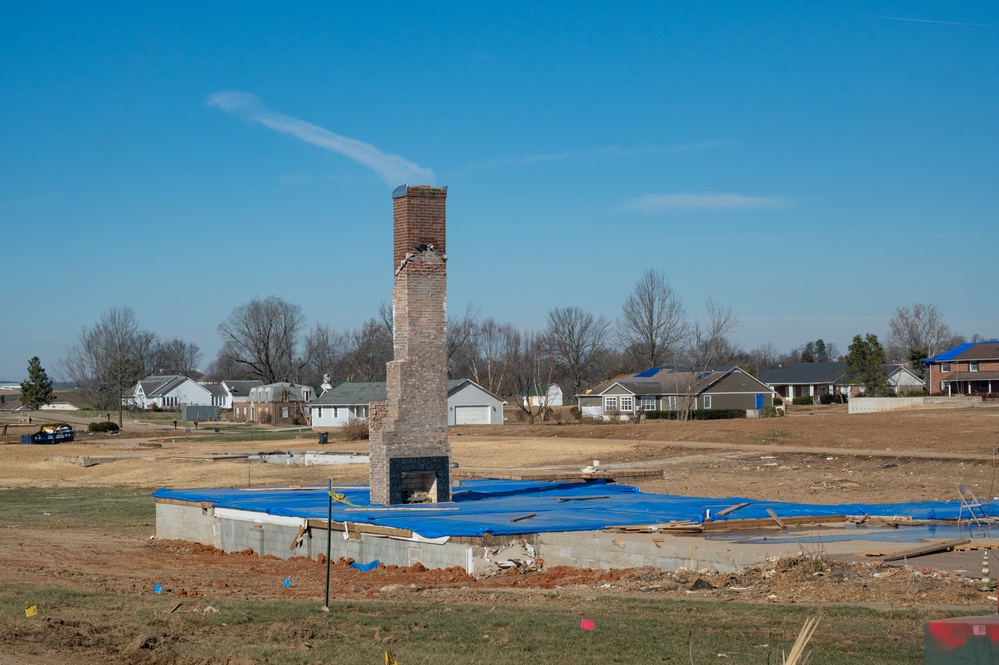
(419,475)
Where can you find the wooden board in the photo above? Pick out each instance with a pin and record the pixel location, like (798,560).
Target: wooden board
(923,550)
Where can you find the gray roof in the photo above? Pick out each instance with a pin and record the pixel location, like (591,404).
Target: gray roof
(241,387)
(215,389)
(667,382)
(804,374)
(156,386)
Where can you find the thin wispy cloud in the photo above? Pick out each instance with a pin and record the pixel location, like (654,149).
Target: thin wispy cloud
(607,151)
(926,20)
(653,203)
(393,169)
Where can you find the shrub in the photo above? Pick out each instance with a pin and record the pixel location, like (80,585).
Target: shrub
(832,399)
(802,401)
(778,401)
(355,429)
(698,414)
(770,412)
(104,426)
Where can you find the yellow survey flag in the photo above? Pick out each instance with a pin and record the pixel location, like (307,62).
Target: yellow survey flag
(31,610)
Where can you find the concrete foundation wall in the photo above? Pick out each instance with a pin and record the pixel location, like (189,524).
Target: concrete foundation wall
(874,404)
(585,549)
(194,524)
(191,523)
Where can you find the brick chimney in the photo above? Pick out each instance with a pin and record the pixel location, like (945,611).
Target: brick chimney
(409,450)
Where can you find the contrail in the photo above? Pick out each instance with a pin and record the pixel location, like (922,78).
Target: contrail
(924,20)
(393,169)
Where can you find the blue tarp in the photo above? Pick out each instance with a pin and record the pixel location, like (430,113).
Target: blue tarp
(950,354)
(488,506)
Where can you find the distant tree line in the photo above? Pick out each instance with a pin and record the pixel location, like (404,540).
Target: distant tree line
(268,339)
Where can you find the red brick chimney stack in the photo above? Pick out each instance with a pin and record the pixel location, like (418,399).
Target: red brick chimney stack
(408,432)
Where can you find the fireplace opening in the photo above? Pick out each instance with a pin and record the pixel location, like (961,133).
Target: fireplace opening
(419,487)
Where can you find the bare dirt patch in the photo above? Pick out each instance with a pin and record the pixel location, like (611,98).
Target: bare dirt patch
(821,456)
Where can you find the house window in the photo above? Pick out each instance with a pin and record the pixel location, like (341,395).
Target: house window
(944,367)
(707,401)
(648,403)
(361,411)
(336,412)
(627,403)
(973,366)
(284,412)
(672,402)
(610,403)
(319,412)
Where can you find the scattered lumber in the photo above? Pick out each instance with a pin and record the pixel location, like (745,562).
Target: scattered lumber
(562,499)
(523,517)
(731,509)
(299,537)
(933,548)
(728,525)
(772,514)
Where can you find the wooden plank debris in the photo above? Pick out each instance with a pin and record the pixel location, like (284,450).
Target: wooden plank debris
(728,525)
(523,517)
(360,527)
(299,537)
(943,546)
(772,514)
(562,499)
(731,509)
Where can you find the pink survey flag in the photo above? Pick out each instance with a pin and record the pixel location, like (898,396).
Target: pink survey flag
(586,624)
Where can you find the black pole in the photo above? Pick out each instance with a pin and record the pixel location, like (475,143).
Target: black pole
(329,541)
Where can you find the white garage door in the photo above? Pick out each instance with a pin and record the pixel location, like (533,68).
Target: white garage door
(471,415)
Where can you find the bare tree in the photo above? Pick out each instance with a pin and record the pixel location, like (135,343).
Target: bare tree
(264,336)
(763,356)
(916,333)
(175,356)
(326,350)
(530,365)
(708,345)
(110,358)
(369,348)
(460,341)
(652,320)
(494,346)
(576,340)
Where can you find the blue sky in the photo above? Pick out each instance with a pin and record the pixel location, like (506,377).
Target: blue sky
(813,166)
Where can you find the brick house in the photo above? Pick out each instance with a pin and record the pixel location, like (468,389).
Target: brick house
(967,369)
(278,404)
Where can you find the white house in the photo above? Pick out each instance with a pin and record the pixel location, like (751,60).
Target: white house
(468,403)
(168,392)
(540,394)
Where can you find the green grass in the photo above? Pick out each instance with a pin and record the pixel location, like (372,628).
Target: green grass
(424,631)
(124,511)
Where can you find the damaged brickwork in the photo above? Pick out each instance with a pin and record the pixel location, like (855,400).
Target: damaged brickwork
(408,437)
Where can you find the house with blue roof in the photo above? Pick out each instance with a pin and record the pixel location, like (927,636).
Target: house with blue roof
(668,389)
(967,369)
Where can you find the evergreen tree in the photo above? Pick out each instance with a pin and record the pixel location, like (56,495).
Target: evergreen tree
(865,362)
(37,390)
